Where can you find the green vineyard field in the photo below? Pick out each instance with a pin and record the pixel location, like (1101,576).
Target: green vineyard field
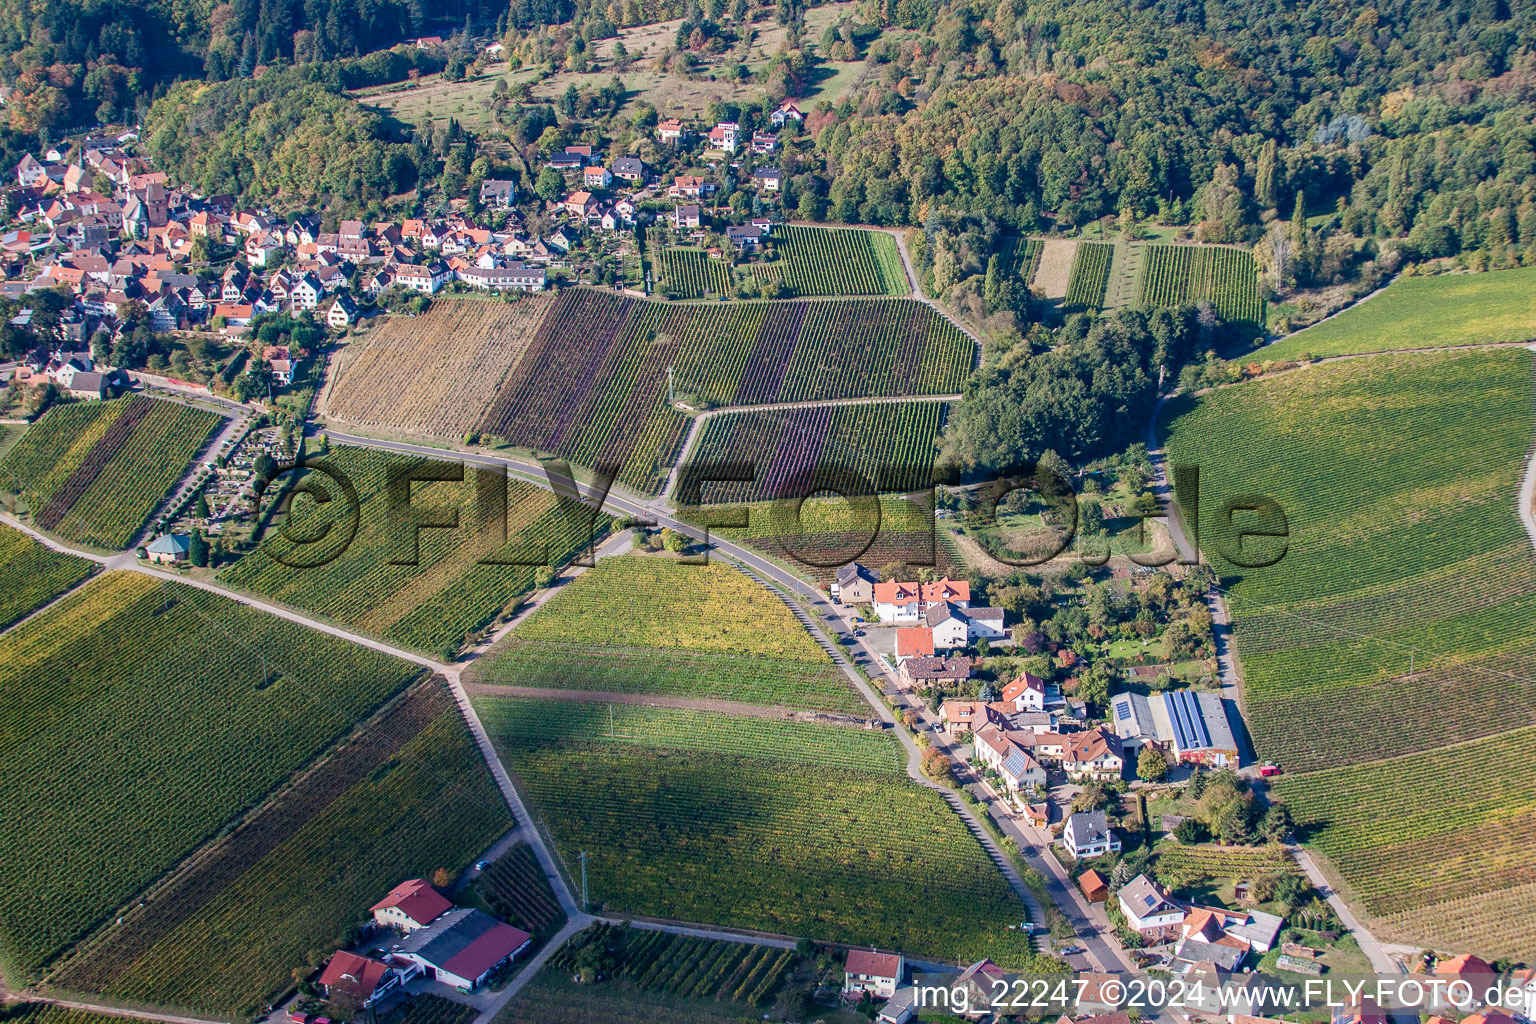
(838,261)
(1402,617)
(32,575)
(1176,275)
(94,472)
(639,624)
(692,274)
(408,795)
(1090,277)
(699,817)
(516,890)
(1402,838)
(434,605)
(867,449)
(136,724)
(1426,312)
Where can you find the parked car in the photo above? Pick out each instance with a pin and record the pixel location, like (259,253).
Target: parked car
(1072,950)
(481,865)
(1269,771)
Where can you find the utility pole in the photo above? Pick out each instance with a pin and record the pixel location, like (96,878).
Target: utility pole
(584,901)
(671,397)
(1411,653)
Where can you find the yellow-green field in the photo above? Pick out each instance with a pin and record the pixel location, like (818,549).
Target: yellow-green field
(1426,312)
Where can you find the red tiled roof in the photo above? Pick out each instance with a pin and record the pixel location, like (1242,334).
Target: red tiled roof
(416,900)
(914,641)
(491,948)
(354,973)
(947,590)
(1091,881)
(1022,683)
(1467,963)
(872,964)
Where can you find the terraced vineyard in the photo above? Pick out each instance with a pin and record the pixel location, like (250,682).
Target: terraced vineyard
(407,795)
(94,472)
(838,261)
(699,817)
(1398,476)
(433,605)
(1227,278)
(1426,312)
(639,624)
(861,448)
(136,723)
(433,374)
(593,386)
(32,575)
(692,274)
(1090,276)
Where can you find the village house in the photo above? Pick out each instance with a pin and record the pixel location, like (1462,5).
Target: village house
(497,193)
(1087,834)
(410,905)
(597,177)
(961,716)
(30,173)
(976,987)
(306,291)
(900,1008)
(671,130)
(723,136)
(1018,772)
(908,602)
(1250,930)
(364,979)
(342,314)
(925,672)
(854,585)
(763,143)
(1028,692)
(579,204)
(787,111)
(427,279)
(876,973)
(1149,911)
(630,169)
(744,237)
(690,186)
(953,626)
(1092,754)
(566,161)
(512,277)
(686,216)
(767,178)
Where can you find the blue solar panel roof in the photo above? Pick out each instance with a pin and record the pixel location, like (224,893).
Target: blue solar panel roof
(1189,729)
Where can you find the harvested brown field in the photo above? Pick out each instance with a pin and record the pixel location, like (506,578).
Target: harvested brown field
(1055,267)
(437,373)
